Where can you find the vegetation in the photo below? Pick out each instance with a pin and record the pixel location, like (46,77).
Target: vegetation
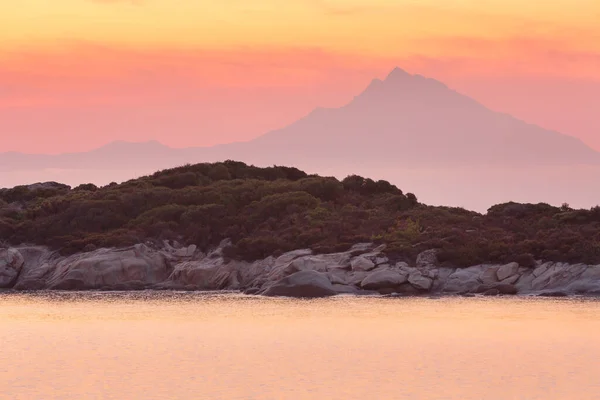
(267,211)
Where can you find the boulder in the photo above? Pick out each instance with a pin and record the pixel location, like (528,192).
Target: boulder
(505,288)
(419,281)
(406,289)
(489,274)
(506,271)
(361,263)
(40,265)
(292,255)
(11,263)
(441,278)
(511,280)
(186,252)
(557,275)
(109,267)
(383,279)
(463,280)
(401,265)
(302,284)
(355,278)
(360,248)
(206,274)
(501,288)
(338,276)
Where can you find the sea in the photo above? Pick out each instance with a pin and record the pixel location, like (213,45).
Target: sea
(185,345)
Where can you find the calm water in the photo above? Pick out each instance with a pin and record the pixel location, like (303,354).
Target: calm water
(193,346)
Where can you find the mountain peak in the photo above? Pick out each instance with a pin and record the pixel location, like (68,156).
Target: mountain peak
(398,74)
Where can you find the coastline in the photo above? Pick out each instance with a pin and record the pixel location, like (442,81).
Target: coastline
(362,270)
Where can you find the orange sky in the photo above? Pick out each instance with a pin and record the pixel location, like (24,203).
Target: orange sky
(75,74)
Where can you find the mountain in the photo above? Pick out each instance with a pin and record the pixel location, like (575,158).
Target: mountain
(412,120)
(404,122)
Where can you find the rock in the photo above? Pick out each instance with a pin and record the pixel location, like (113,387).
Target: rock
(463,280)
(541,269)
(355,278)
(302,284)
(383,279)
(407,289)
(441,278)
(419,281)
(206,274)
(338,276)
(186,251)
(360,248)
(489,275)
(381,261)
(557,275)
(109,267)
(506,271)
(427,258)
(292,255)
(175,267)
(505,288)
(401,265)
(311,263)
(511,280)
(252,291)
(583,287)
(11,263)
(72,283)
(501,288)
(361,264)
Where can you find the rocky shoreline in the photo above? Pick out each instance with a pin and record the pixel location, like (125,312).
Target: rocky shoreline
(362,270)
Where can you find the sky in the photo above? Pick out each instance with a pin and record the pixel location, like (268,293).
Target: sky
(77,74)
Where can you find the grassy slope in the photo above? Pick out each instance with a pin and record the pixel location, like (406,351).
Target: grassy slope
(267,211)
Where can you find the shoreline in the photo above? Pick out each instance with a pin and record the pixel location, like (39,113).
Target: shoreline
(362,270)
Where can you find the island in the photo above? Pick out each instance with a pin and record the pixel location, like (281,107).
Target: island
(278,231)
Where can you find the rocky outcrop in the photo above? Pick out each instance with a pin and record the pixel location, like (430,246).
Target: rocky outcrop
(363,269)
(11,262)
(384,279)
(302,284)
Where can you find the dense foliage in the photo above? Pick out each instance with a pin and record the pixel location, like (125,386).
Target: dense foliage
(266,211)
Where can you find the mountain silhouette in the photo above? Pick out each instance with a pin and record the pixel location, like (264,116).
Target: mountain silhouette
(398,128)
(412,120)
(403,120)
